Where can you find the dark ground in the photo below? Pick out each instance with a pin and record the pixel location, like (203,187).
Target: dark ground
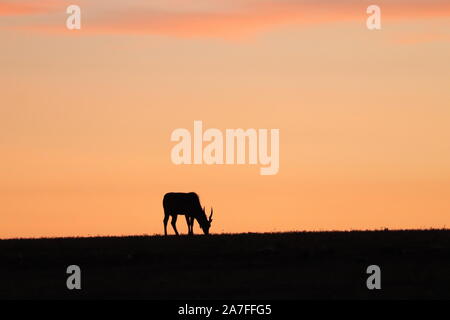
(414,264)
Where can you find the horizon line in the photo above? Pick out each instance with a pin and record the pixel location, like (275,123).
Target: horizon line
(226,234)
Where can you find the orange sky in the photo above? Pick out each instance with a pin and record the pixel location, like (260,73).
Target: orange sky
(86,116)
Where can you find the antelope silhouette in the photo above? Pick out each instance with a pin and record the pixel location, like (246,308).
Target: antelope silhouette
(187,204)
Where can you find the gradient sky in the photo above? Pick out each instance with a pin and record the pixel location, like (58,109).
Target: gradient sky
(86,116)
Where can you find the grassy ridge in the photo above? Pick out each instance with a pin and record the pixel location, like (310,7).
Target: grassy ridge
(414,264)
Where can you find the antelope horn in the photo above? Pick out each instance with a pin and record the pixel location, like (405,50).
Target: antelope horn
(210,216)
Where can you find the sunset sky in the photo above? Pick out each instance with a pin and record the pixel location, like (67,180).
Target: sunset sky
(86,115)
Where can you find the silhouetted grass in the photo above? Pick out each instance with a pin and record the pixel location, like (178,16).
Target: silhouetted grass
(295,265)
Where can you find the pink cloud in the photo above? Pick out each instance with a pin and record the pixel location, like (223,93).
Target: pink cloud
(27,7)
(245,18)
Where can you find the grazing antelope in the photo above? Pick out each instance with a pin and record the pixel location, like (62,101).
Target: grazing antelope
(187,204)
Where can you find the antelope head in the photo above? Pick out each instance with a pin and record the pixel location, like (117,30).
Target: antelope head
(207,224)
